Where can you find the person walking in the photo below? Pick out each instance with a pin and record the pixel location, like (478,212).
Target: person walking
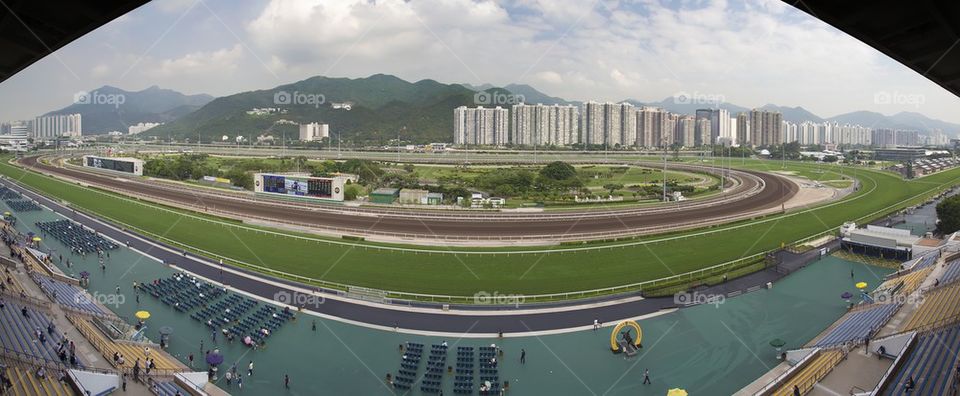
(646,377)
(523,356)
(250,369)
(286,381)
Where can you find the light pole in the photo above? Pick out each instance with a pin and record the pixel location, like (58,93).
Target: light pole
(664,146)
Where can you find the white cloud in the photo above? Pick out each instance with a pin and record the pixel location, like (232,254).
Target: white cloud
(218,62)
(100,71)
(549,77)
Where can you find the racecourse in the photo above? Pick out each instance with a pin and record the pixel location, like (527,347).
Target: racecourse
(463,272)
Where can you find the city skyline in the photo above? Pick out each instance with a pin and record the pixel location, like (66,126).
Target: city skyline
(739,51)
(623,125)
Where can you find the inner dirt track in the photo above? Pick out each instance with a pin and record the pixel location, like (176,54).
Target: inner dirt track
(747,194)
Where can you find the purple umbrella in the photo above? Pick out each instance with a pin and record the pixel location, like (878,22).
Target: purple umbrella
(846,295)
(214,359)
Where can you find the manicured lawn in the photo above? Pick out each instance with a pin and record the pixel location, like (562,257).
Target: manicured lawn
(457,273)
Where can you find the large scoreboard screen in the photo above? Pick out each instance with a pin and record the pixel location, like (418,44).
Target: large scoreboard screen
(110,164)
(299,186)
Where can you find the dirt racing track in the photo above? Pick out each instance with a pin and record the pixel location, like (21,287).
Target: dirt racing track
(747,194)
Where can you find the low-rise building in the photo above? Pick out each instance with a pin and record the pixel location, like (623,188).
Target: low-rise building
(384,195)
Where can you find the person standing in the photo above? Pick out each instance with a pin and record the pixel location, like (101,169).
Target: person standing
(523,356)
(646,377)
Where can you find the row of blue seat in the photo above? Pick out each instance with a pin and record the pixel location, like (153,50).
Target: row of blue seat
(76,237)
(69,295)
(23,205)
(951,273)
(858,325)
(168,388)
(931,363)
(18,332)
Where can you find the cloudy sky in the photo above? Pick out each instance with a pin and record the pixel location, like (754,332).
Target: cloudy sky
(750,52)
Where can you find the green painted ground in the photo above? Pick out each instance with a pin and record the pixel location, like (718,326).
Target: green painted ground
(463,274)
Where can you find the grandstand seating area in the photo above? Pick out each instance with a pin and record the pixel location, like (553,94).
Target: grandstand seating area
(951,273)
(19,325)
(26,382)
(489,371)
(409,364)
(6,193)
(68,295)
(463,382)
(857,325)
(466,360)
(924,261)
(931,363)
(131,351)
(79,239)
(904,284)
(433,375)
(939,306)
(23,205)
(815,369)
(167,388)
(218,309)
(10,283)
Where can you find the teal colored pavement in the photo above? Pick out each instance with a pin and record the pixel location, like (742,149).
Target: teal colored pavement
(708,349)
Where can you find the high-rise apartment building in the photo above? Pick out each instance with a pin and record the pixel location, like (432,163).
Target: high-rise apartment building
(765,127)
(481,126)
(53,126)
(544,125)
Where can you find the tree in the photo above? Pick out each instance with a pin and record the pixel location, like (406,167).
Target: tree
(240,178)
(350,192)
(613,187)
(558,170)
(948,212)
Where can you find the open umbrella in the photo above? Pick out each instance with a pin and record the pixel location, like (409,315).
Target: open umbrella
(676,392)
(142,315)
(215,359)
(861,285)
(778,343)
(6,213)
(846,295)
(165,330)
(36,239)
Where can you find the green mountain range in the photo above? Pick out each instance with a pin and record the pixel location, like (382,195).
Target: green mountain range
(380,107)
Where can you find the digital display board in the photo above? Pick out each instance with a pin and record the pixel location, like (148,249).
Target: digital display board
(299,186)
(110,164)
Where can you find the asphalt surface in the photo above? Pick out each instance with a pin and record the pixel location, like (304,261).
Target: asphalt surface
(776,191)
